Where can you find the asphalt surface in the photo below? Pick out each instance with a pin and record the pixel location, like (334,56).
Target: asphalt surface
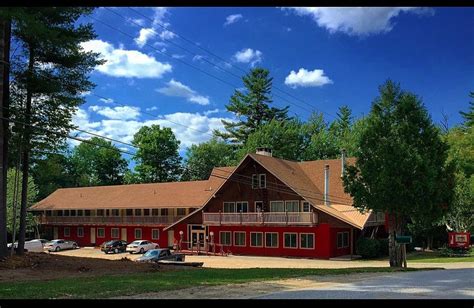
(435,284)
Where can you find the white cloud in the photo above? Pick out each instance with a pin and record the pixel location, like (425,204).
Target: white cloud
(117,113)
(85,93)
(167,35)
(176,56)
(232,19)
(360,21)
(138,21)
(126,63)
(305,78)
(144,35)
(248,56)
(106,100)
(176,88)
(153,108)
(198,58)
(206,113)
(159,14)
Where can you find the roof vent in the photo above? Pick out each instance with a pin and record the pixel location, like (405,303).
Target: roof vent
(264,151)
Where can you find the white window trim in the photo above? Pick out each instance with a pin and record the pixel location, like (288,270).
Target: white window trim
(135,234)
(77,231)
(155,238)
(255,205)
(229,202)
(68,231)
(314,241)
(302,206)
(112,232)
(284,242)
(251,239)
(274,201)
(98,236)
(242,202)
(245,239)
(294,201)
(342,242)
(220,238)
(255,181)
(278,240)
(260,182)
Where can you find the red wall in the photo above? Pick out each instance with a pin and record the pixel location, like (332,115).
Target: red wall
(333,239)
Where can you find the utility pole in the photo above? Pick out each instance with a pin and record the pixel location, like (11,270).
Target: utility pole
(5,33)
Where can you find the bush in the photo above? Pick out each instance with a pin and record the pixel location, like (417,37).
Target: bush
(368,248)
(383,247)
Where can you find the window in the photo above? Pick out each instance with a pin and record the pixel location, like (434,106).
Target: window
(291,240)
(115,212)
(342,239)
(129,212)
(114,233)
(48,213)
(258,206)
(271,239)
(181,212)
(164,212)
(277,206)
(138,212)
(107,213)
(59,213)
(225,238)
(242,206)
(239,238)
(80,212)
(73,213)
(256,239)
(87,212)
(155,212)
(67,232)
(100,212)
(307,240)
(100,232)
(254,181)
(80,232)
(155,234)
(66,212)
(292,206)
(262,180)
(306,206)
(146,212)
(229,207)
(138,233)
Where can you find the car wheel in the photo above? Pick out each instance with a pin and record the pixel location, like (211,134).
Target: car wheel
(142,250)
(116,250)
(74,246)
(56,249)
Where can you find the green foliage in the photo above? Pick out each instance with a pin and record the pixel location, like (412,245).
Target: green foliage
(461,214)
(157,155)
(383,247)
(368,248)
(97,162)
(469,115)
(461,149)
(202,158)
(32,192)
(251,107)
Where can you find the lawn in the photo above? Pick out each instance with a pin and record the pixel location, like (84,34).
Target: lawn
(435,257)
(109,286)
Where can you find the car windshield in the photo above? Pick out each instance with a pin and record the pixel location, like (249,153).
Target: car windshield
(151,253)
(109,243)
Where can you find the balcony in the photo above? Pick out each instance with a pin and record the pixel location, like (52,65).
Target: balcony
(111,220)
(270,218)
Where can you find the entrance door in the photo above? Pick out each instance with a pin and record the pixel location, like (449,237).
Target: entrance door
(93,236)
(197,235)
(170,238)
(124,234)
(55,233)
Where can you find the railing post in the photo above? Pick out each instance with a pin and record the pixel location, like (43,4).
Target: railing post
(263,217)
(286,214)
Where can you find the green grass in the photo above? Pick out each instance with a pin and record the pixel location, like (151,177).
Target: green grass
(109,286)
(435,257)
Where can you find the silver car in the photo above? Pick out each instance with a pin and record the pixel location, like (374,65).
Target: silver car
(60,244)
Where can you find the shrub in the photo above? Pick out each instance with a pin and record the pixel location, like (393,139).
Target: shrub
(368,248)
(383,247)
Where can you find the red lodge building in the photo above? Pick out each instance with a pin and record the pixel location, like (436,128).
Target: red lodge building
(264,206)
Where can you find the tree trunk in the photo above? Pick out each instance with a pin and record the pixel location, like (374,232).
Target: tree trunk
(5,34)
(429,242)
(25,157)
(394,250)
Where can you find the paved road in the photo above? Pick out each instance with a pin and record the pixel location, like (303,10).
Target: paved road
(436,284)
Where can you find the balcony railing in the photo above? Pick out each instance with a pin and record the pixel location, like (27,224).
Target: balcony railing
(110,220)
(262,218)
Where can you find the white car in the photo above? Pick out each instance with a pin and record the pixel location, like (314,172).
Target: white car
(30,246)
(60,244)
(141,246)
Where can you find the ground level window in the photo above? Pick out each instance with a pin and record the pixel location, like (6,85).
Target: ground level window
(67,232)
(342,239)
(114,232)
(271,239)
(80,232)
(155,234)
(291,240)
(307,240)
(239,238)
(225,238)
(100,232)
(138,234)
(256,239)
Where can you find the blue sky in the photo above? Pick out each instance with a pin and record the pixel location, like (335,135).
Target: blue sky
(326,57)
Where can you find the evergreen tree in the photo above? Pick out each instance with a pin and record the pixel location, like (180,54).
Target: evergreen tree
(469,116)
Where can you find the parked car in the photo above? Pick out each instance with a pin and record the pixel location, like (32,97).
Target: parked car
(141,246)
(114,246)
(60,244)
(155,255)
(30,246)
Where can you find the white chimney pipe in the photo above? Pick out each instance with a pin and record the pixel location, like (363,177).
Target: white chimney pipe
(343,161)
(326,185)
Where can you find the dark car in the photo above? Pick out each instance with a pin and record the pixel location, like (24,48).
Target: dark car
(161,254)
(115,246)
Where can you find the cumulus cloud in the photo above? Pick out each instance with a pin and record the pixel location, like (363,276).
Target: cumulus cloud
(106,100)
(153,108)
(248,56)
(177,89)
(144,35)
(167,35)
(232,19)
(126,63)
(117,113)
(305,78)
(361,21)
